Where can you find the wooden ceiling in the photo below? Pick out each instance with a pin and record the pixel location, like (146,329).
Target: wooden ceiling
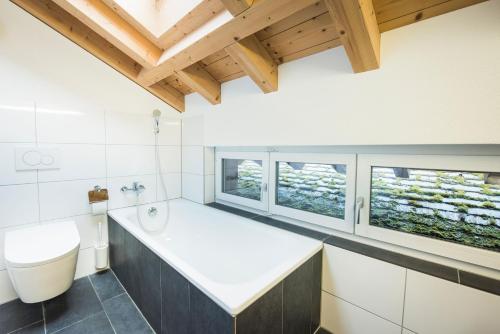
(260,35)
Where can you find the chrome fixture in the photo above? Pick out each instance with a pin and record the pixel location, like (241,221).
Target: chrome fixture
(156,121)
(152,211)
(136,187)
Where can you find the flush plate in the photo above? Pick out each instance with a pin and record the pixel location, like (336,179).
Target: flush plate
(32,158)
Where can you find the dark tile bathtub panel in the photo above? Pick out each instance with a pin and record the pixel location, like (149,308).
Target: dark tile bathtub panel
(297,300)
(175,301)
(206,317)
(264,316)
(316,292)
(139,271)
(172,305)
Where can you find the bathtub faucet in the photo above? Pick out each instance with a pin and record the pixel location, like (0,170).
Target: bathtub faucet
(136,187)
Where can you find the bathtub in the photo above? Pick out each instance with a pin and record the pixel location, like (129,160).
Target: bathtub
(233,260)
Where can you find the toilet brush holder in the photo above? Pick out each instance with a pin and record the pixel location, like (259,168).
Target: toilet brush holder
(101,256)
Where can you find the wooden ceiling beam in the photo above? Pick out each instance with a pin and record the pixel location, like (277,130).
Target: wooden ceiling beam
(200,81)
(236,7)
(356,24)
(256,62)
(194,19)
(70,27)
(260,15)
(251,55)
(107,23)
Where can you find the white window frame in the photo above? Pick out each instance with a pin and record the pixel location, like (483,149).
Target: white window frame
(346,224)
(264,157)
(425,244)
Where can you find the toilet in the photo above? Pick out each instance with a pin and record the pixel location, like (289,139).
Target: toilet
(41,260)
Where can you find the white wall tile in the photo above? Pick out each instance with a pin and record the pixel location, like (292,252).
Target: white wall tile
(371,284)
(126,160)
(170,159)
(436,306)
(192,160)
(8,173)
(117,199)
(69,124)
(66,198)
(17,122)
(132,129)
(87,226)
(341,317)
(192,187)
(86,263)
(7,292)
(18,205)
(170,132)
(209,160)
(173,184)
(192,130)
(209,188)
(78,161)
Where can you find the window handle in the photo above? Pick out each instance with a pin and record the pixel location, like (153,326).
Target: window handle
(360,202)
(264,187)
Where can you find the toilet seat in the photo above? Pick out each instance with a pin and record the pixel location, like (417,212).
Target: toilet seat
(42,244)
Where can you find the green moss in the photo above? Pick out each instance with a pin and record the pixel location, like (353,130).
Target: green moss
(415,189)
(462,208)
(437,198)
(486,189)
(489,205)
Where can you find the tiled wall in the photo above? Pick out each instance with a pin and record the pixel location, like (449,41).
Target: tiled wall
(198,165)
(366,295)
(109,149)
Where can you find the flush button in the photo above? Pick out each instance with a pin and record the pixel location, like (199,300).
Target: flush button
(30,158)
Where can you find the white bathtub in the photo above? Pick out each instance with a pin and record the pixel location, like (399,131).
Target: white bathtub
(232,259)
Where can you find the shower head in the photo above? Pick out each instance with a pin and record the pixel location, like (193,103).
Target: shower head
(156,120)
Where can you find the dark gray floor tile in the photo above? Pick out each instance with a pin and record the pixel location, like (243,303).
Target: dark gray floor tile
(264,316)
(106,285)
(16,314)
(297,300)
(206,317)
(124,316)
(95,324)
(36,328)
(175,301)
(316,292)
(76,304)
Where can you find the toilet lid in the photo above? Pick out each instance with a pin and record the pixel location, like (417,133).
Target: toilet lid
(41,244)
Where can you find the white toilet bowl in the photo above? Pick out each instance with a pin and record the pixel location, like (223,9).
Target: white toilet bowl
(41,260)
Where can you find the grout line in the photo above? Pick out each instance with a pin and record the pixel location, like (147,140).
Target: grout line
(28,325)
(76,322)
(44,318)
(458,276)
(102,305)
(331,294)
(404,300)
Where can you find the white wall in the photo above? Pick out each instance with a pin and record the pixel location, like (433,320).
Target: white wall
(365,295)
(438,84)
(52,93)
(198,165)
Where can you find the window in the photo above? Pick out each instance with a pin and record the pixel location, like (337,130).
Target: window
(317,188)
(436,204)
(242,178)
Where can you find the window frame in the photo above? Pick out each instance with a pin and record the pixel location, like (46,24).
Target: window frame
(444,248)
(346,224)
(251,203)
